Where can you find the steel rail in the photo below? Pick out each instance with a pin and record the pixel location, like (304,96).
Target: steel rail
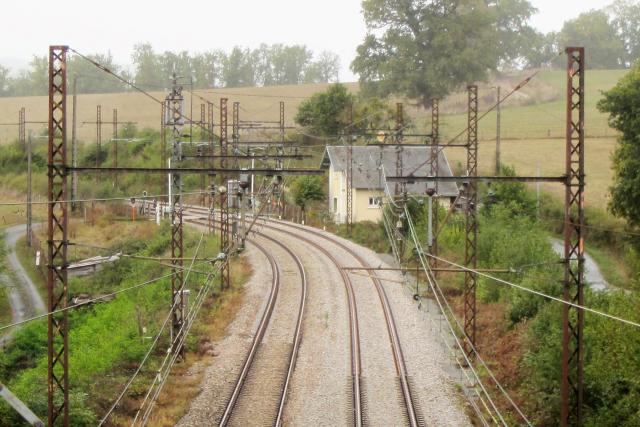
(298,329)
(257,339)
(390,321)
(356,363)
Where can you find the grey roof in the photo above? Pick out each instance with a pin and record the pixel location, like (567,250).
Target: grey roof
(367,174)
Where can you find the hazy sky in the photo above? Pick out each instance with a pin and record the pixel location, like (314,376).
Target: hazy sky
(116,25)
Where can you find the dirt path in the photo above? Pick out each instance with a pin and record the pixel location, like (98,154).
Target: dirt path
(24,297)
(592,273)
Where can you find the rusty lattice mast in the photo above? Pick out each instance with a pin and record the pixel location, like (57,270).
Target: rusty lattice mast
(57,243)
(571,387)
(175,106)
(471,229)
(224,205)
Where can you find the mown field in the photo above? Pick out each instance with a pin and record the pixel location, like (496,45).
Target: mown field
(533,119)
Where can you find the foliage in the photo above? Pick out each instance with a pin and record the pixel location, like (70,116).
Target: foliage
(325,113)
(595,31)
(626,20)
(612,382)
(623,104)
(425,49)
(108,335)
(513,196)
(307,189)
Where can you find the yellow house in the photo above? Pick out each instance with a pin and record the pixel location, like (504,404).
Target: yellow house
(370,164)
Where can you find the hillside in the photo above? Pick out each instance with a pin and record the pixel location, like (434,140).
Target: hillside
(533,119)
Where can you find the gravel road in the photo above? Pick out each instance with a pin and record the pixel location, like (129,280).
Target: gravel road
(592,273)
(24,297)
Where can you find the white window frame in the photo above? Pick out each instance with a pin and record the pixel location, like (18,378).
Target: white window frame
(374,202)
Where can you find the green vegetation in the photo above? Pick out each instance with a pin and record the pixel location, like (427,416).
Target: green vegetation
(307,189)
(266,65)
(106,339)
(325,113)
(424,50)
(622,104)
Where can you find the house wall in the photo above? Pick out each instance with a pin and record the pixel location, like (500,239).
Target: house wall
(361,209)
(338,195)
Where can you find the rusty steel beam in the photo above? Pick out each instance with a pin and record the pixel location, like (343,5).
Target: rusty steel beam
(471,228)
(163,144)
(175,105)
(280,163)
(212,182)
(349,218)
(257,171)
(203,178)
(115,145)
(475,179)
(571,385)
(98,138)
(22,132)
(434,166)
(224,205)
(57,242)
(248,156)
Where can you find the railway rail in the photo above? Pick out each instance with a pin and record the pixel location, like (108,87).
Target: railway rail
(263,325)
(410,407)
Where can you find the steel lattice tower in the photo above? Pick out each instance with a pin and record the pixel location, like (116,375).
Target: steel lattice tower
(57,243)
(224,205)
(571,387)
(471,234)
(175,106)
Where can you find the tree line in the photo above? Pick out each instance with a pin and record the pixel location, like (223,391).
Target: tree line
(610,35)
(425,49)
(266,65)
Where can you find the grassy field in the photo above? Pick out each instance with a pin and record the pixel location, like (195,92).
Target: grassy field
(533,120)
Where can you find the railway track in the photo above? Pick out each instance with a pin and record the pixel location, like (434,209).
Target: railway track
(410,407)
(270,357)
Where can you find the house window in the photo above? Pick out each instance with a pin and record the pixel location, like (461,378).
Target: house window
(375,202)
(335,204)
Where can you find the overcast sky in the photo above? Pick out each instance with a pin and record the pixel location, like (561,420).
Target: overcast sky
(116,25)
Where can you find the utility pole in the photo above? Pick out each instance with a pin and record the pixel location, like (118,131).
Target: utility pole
(434,166)
(212,177)
(400,188)
(175,105)
(98,139)
(280,163)
(163,142)
(203,178)
(74,146)
(225,247)
(498,113)
(115,146)
(349,218)
(22,122)
(29,191)
(471,229)
(57,243)
(571,385)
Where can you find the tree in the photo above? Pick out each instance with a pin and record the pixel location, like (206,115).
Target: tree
(595,31)
(426,48)
(542,50)
(324,113)
(623,105)
(324,70)
(307,189)
(147,66)
(626,21)
(5,81)
(93,80)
